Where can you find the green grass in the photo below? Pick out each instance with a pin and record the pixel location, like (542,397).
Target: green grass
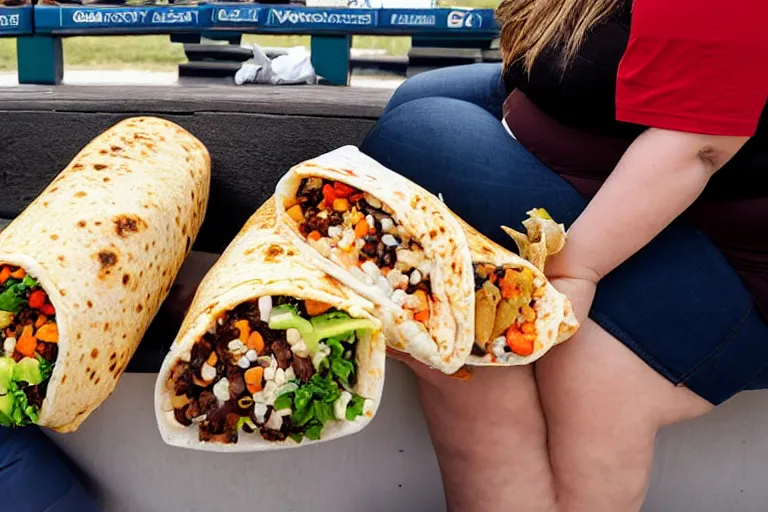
(158,53)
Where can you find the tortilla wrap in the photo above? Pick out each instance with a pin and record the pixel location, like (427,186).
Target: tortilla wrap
(555,320)
(447,340)
(105,240)
(260,262)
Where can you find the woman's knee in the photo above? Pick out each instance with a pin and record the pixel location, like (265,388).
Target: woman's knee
(479,84)
(436,122)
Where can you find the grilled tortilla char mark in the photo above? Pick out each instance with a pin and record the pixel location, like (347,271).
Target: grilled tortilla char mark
(29,338)
(355,230)
(245,375)
(505,316)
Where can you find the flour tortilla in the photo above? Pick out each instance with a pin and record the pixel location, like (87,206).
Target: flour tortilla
(451,326)
(261,262)
(555,320)
(105,240)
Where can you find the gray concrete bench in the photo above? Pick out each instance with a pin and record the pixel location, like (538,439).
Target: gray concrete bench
(716,464)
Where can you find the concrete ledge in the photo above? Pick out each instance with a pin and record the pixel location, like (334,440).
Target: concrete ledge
(253,99)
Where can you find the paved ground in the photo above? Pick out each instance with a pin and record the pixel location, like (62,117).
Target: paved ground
(133,77)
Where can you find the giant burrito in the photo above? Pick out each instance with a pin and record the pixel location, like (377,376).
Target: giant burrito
(84,269)
(401,247)
(272,353)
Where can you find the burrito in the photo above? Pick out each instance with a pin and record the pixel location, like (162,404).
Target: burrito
(392,242)
(441,287)
(272,353)
(519,315)
(84,269)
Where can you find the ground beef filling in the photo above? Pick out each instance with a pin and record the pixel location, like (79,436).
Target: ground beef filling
(237,371)
(28,330)
(358,232)
(505,316)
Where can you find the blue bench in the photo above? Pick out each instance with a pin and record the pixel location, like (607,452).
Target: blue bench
(331,29)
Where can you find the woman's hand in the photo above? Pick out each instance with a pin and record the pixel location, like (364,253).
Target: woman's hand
(581,293)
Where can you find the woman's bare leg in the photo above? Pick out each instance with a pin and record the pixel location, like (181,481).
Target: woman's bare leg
(603,407)
(490,439)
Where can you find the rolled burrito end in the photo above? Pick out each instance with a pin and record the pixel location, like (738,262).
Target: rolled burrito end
(85,267)
(272,354)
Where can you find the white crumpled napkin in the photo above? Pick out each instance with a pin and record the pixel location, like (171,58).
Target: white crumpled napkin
(293,68)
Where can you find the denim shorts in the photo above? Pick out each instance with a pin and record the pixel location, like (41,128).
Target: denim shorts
(677,304)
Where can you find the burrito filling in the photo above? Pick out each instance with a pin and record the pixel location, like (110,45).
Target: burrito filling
(278,367)
(505,310)
(29,337)
(355,230)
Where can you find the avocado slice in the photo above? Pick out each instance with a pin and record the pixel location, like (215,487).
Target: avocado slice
(28,370)
(6,410)
(286,317)
(6,317)
(336,324)
(6,373)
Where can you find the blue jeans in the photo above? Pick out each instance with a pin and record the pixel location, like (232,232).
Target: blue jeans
(677,304)
(34,476)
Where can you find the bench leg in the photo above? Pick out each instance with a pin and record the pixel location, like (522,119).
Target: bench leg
(330,57)
(40,60)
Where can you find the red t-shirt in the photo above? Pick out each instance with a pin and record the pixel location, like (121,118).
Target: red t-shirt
(696,66)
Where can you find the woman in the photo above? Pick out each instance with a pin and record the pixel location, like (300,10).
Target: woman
(637,126)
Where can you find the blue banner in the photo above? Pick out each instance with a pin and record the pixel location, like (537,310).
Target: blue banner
(16,21)
(233,15)
(116,19)
(443,20)
(318,18)
(75,19)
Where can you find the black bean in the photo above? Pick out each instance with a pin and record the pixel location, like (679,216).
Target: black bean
(181,417)
(477,350)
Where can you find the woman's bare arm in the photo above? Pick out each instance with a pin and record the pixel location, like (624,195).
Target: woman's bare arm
(659,177)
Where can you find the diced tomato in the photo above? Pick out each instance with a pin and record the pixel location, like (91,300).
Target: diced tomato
(37,299)
(354,198)
(5,273)
(343,190)
(19,273)
(422,316)
(314,236)
(329,194)
(48,309)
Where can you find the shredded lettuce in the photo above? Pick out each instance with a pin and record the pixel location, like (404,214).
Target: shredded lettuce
(12,299)
(46,368)
(355,407)
(283,402)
